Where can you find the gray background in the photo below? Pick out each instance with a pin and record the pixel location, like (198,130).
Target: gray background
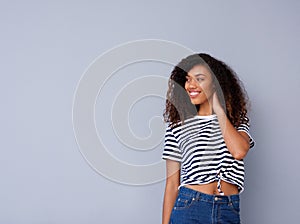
(47,45)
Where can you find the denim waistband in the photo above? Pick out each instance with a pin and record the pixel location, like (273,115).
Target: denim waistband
(208,197)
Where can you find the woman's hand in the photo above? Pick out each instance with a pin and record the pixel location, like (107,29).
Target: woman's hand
(216,105)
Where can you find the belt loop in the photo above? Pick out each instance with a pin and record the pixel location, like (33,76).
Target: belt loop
(229,199)
(198,196)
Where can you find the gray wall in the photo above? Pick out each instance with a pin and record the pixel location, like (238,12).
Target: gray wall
(46,47)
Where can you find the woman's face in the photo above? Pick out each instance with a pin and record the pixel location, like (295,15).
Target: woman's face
(199,84)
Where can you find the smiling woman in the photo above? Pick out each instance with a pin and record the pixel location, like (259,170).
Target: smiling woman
(205,142)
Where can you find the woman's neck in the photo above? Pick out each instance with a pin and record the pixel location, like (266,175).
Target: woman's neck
(205,109)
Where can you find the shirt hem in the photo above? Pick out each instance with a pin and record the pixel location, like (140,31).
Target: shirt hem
(184,184)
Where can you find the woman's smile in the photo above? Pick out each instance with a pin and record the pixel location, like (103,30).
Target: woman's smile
(193,94)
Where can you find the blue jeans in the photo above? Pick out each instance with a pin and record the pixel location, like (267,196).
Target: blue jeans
(194,207)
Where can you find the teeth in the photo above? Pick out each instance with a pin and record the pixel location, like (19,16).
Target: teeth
(194,93)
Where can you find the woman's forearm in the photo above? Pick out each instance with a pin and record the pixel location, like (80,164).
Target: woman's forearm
(237,142)
(171,192)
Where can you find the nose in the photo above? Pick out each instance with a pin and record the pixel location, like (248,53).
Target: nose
(192,83)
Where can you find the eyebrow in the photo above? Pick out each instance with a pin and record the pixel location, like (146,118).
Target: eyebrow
(200,74)
(197,75)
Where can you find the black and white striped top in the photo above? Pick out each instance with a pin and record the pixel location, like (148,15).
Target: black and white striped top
(199,146)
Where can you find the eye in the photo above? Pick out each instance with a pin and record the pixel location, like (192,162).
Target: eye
(188,79)
(200,79)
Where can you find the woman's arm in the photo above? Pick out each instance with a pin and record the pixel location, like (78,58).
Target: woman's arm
(237,142)
(171,190)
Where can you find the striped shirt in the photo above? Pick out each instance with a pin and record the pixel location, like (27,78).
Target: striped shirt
(199,146)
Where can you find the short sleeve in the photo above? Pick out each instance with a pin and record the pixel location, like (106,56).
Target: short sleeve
(245,128)
(171,146)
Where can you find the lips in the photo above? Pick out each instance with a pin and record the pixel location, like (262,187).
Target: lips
(194,94)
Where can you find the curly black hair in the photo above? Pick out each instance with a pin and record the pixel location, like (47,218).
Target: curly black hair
(230,90)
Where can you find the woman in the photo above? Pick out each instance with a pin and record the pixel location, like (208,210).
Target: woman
(205,142)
